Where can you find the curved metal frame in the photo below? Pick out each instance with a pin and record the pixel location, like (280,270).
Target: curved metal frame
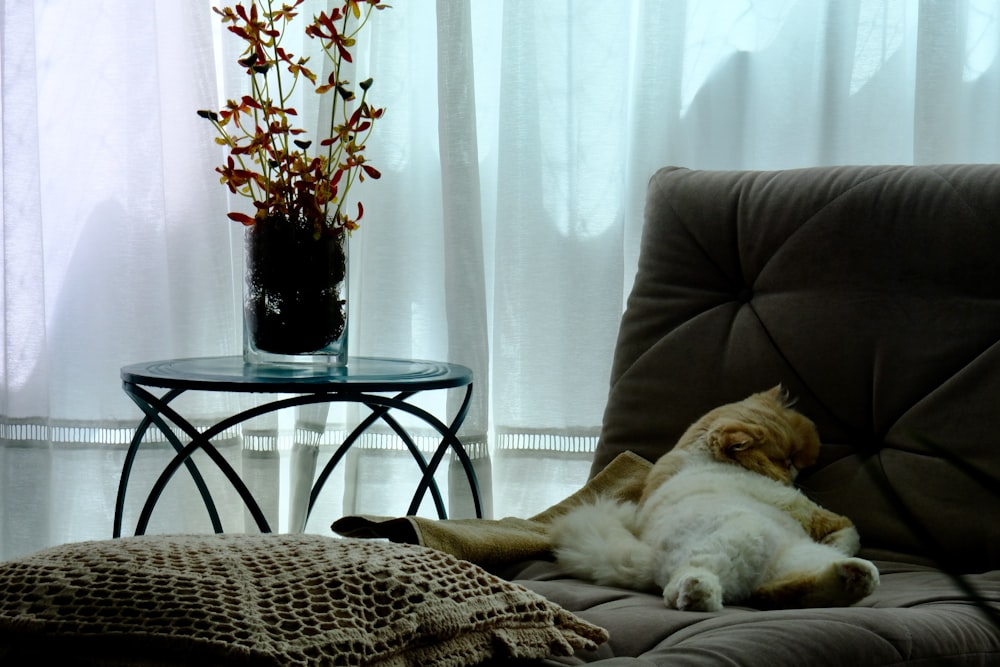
(155,409)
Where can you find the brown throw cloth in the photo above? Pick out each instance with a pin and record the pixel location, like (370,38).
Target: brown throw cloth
(497,542)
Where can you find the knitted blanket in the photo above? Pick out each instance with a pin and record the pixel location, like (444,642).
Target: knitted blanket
(270,600)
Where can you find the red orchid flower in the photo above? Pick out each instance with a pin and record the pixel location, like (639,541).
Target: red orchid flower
(270,160)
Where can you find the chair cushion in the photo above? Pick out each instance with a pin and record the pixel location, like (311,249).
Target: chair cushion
(918,616)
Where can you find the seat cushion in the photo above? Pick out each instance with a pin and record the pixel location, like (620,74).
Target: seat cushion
(918,615)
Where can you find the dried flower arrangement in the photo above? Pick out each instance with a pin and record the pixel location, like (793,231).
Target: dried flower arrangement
(296,255)
(271,160)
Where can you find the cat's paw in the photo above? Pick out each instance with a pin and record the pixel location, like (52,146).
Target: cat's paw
(858,578)
(840,583)
(846,540)
(694,590)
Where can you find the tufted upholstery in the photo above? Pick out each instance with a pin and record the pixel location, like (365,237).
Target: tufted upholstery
(873,295)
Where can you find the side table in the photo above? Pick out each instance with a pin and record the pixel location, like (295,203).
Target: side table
(383,385)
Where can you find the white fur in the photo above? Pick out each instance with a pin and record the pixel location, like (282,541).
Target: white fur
(712,534)
(599,542)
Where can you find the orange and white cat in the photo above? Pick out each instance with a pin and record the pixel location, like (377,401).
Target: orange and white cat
(719,521)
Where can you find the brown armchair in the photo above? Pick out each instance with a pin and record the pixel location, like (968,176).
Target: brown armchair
(873,294)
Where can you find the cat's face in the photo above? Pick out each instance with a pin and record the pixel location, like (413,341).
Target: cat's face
(761,433)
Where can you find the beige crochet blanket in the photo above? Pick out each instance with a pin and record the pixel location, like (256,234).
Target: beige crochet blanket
(495,543)
(279,600)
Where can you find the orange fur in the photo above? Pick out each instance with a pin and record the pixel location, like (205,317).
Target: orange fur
(763,434)
(840,584)
(824,523)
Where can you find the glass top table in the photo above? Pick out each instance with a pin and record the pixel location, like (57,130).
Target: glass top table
(383,385)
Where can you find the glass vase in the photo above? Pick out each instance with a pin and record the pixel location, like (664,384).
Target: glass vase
(295,293)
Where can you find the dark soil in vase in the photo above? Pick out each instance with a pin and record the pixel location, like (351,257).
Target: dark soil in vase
(295,289)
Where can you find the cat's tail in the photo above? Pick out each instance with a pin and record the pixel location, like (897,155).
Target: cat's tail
(598,542)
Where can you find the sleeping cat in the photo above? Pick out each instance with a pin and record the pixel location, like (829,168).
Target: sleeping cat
(719,521)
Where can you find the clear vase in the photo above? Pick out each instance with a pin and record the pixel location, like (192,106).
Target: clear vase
(295,294)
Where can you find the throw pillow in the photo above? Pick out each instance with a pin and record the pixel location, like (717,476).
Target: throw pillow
(271,600)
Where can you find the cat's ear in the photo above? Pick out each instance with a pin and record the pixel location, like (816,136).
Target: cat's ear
(780,395)
(726,439)
(739,442)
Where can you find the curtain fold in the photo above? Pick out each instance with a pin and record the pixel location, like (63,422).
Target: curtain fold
(465,321)
(504,233)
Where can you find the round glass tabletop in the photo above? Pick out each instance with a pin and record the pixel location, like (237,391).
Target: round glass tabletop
(361,374)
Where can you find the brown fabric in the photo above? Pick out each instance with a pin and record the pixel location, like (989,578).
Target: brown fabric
(279,600)
(873,295)
(494,543)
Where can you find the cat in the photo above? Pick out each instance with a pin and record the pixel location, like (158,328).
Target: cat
(719,522)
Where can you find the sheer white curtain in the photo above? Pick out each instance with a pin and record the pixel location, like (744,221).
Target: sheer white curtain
(503,235)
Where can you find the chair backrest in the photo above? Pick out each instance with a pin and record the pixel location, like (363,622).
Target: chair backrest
(873,294)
